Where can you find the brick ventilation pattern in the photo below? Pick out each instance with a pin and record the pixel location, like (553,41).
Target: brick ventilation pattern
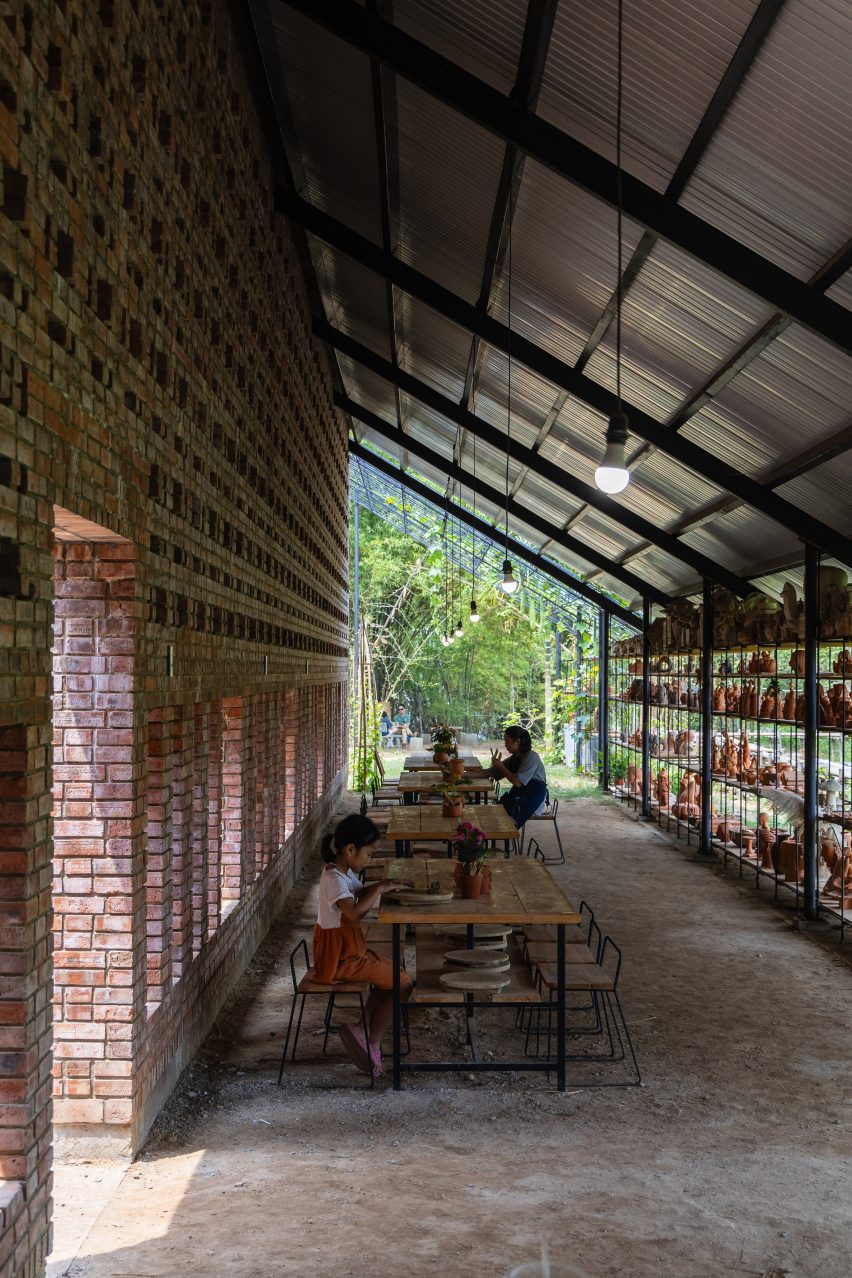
(158,378)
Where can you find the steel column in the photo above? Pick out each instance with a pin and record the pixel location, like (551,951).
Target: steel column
(646,709)
(603,700)
(811,726)
(705,838)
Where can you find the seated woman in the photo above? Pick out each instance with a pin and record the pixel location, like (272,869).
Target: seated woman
(386,728)
(524,771)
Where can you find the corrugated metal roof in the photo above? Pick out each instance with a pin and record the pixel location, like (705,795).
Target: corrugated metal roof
(675,53)
(777,175)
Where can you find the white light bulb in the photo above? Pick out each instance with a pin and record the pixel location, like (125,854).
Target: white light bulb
(459,629)
(474,611)
(508,584)
(612,476)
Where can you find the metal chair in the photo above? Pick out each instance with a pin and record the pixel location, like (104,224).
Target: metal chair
(303,988)
(600,981)
(550,814)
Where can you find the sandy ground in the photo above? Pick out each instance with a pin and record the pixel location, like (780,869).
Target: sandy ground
(733,1158)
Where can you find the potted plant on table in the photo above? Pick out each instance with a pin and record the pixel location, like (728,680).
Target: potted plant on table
(443,743)
(453,802)
(470,872)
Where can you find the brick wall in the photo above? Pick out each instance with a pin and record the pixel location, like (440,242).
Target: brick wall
(158,381)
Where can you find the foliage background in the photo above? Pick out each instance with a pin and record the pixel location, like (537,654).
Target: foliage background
(495,673)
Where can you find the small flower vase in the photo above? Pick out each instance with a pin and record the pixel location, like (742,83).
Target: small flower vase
(471,886)
(440,756)
(456,769)
(487,878)
(452,807)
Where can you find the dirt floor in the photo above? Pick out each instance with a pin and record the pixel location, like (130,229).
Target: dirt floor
(734,1157)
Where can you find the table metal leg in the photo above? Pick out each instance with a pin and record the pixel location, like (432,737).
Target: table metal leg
(397,1017)
(560,1007)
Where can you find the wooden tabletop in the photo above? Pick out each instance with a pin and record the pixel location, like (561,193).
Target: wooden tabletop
(522,891)
(425,762)
(424,821)
(411,782)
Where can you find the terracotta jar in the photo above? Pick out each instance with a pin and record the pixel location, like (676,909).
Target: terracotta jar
(440,756)
(456,769)
(471,886)
(452,807)
(797,661)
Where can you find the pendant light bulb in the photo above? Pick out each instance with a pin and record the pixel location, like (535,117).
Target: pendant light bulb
(612,476)
(444,639)
(459,629)
(474,611)
(508,585)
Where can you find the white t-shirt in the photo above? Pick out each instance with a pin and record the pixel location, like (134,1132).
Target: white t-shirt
(334,886)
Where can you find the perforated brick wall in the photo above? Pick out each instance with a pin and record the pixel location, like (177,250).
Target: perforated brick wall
(159,382)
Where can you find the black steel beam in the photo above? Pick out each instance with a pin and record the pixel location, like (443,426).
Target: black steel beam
(548,470)
(580,165)
(561,374)
(454,471)
(810,831)
(603,701)
(516,549)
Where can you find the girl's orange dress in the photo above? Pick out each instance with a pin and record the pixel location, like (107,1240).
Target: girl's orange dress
(341,954)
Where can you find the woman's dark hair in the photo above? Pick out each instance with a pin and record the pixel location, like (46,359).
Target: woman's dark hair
(520,734)
(355,829)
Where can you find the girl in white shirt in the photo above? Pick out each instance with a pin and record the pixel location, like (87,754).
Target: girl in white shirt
(340,947)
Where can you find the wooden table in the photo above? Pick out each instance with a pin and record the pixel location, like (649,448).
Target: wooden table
(522,892)
(410,821)
(425,762)
(412,783)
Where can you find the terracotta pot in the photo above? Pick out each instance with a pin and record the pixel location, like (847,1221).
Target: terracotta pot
(456,769)
(797,661)
(440,756)
(471,886)
(487,879)
(453,808)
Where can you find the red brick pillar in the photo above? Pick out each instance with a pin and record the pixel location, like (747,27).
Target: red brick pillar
(25,912)
(97,832)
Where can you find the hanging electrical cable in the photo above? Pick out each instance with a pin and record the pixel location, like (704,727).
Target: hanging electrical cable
(612,476)
(508,585)
(474,611)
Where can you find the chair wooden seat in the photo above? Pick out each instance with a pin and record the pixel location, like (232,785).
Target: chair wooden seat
(310,985)
(578,977)
(535,933)
(544,952)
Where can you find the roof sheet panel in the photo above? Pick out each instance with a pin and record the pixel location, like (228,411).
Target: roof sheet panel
(675,53)
(325,89)
(796,392)
(825,493)
(449,170)
(778,173)
(563,263)
(431,347)
(482,36)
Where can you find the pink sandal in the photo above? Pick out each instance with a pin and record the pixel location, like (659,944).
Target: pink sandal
(356,1047)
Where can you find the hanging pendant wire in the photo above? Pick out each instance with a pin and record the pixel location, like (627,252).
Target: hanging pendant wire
(509,386)
(612,475)
(618,198)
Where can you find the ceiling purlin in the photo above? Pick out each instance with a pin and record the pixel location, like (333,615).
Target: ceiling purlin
(555,370)
(548,470)
(530,518)
(579,164)
(726,90)
(534,49)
